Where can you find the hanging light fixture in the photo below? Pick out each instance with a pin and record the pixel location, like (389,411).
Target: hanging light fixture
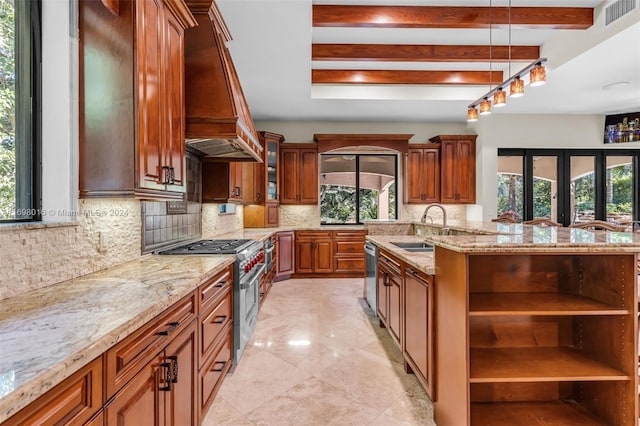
(500,98)
(485,107)
(516,89)
(538,75)
(472,114)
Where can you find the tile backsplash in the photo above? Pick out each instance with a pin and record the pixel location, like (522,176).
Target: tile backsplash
(161,229)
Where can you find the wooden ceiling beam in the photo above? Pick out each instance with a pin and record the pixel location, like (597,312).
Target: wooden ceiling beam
(421,53)
(405,77)
(573,18)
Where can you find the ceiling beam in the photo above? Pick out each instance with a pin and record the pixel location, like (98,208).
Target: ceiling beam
(421,53)
(404,77)
(575,18)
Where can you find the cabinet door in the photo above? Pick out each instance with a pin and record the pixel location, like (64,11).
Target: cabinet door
(466,171)
(308,175)
(323,255)
(149,31)
(383,292)
(289,176)
(431,175)
(182,407)
(174,102)
(272,213)
(415,192)
(141,402)
(285,249)
(272,154)
(418,324)
(395,309)
(448,172)
(304,256)
(235,181)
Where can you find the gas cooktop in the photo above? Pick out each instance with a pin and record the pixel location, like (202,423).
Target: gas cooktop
(211,247)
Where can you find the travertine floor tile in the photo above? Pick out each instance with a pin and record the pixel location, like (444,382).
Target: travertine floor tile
(319,357)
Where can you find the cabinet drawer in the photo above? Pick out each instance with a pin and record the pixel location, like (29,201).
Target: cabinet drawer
(74,401)
(349,264)
(313,234)
(350,235)
(126,358)
(349,247)
(213,371)
(212,290)
(392,264)
(213,322)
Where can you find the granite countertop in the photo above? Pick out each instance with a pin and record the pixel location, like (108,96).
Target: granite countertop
(261,234)
(48,334)
(422,261)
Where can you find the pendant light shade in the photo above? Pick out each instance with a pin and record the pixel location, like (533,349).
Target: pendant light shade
(485,107)
(517,88)
(500,98)
(538,75)
(472,114)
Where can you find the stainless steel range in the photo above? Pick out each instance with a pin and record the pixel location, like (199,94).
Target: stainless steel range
(247,270)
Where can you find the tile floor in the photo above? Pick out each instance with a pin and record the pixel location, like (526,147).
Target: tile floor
(318,357)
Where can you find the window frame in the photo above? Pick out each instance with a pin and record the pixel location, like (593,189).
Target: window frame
(564,178)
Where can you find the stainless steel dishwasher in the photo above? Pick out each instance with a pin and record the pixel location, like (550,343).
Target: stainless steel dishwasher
(371,276)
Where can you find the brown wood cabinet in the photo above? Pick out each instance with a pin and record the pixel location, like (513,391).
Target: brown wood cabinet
(423,174)
(418,327)
(314,252)
(132,122)
(532,338)
(286,262)
(74,401)
(226,182)
(349,252)
(458,168)
(390,294)
(299,173)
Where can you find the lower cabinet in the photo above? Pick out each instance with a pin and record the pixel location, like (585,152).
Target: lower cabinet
(339,253)
(285,247)
(213,369)
(390,294)
(418,326)
(182,357)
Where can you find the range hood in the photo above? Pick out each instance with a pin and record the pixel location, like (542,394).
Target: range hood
(218,121)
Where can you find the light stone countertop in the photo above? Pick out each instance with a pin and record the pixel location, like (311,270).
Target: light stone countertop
(423,261)
(48,334)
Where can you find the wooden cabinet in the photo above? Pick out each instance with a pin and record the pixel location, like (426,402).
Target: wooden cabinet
(532,338)
(74,401)
(314,252)
(458,168)
(263,209)
(349,252)
(418,326)
(285,247)
(182,401)
(132,123)
(390,294)
(226,182)
(423,174)
(299,174)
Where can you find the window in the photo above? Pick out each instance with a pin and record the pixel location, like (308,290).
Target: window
(570,186)
(19,109)
(355,188)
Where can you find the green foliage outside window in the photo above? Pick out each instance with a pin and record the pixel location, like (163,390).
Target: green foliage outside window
(7,108)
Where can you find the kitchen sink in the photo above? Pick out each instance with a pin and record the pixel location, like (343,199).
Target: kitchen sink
(415,247)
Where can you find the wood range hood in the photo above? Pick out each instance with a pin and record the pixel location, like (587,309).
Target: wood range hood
(218,121)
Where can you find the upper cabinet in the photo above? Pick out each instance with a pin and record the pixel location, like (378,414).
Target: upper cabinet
(458,168)
(227,182)
(299,174)
(423,174)
(132,122)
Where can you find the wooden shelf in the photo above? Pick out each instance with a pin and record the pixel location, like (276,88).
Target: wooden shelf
(540,364)
(483,304)
(557,413)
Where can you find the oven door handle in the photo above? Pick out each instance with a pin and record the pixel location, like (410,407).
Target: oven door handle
(256,276)
(269,249)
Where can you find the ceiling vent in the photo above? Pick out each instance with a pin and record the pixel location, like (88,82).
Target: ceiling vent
(618,9)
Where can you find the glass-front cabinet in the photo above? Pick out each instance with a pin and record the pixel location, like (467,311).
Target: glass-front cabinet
(272,147)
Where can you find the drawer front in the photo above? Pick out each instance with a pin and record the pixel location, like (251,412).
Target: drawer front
(349,247)
(390,262)
(313,234)
(210,291)
(213,372)
(126,358)
(350,235)
(212,323)
(74,401)
(349,264)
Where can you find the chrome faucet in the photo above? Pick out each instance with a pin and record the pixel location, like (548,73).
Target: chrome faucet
(445,230)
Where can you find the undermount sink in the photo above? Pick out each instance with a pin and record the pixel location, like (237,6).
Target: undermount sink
(415,247)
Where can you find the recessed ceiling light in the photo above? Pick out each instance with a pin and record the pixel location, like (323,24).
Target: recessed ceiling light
(616,85)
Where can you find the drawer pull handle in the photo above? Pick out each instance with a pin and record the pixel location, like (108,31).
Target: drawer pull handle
(220,284)
(222,363)
(219,319)
(172,327)
(385,279)
(174,361)
(168,379)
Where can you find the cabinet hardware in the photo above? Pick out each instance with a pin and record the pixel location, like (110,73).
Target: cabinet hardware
(220,284)
(385,279)
(220,319)
(167,376)
(217,370)
(258,196)
(237,191)
(174,361)
(166,175)
(172,176)
(172,327)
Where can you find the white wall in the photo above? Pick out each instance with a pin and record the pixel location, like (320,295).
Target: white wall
(529,131)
